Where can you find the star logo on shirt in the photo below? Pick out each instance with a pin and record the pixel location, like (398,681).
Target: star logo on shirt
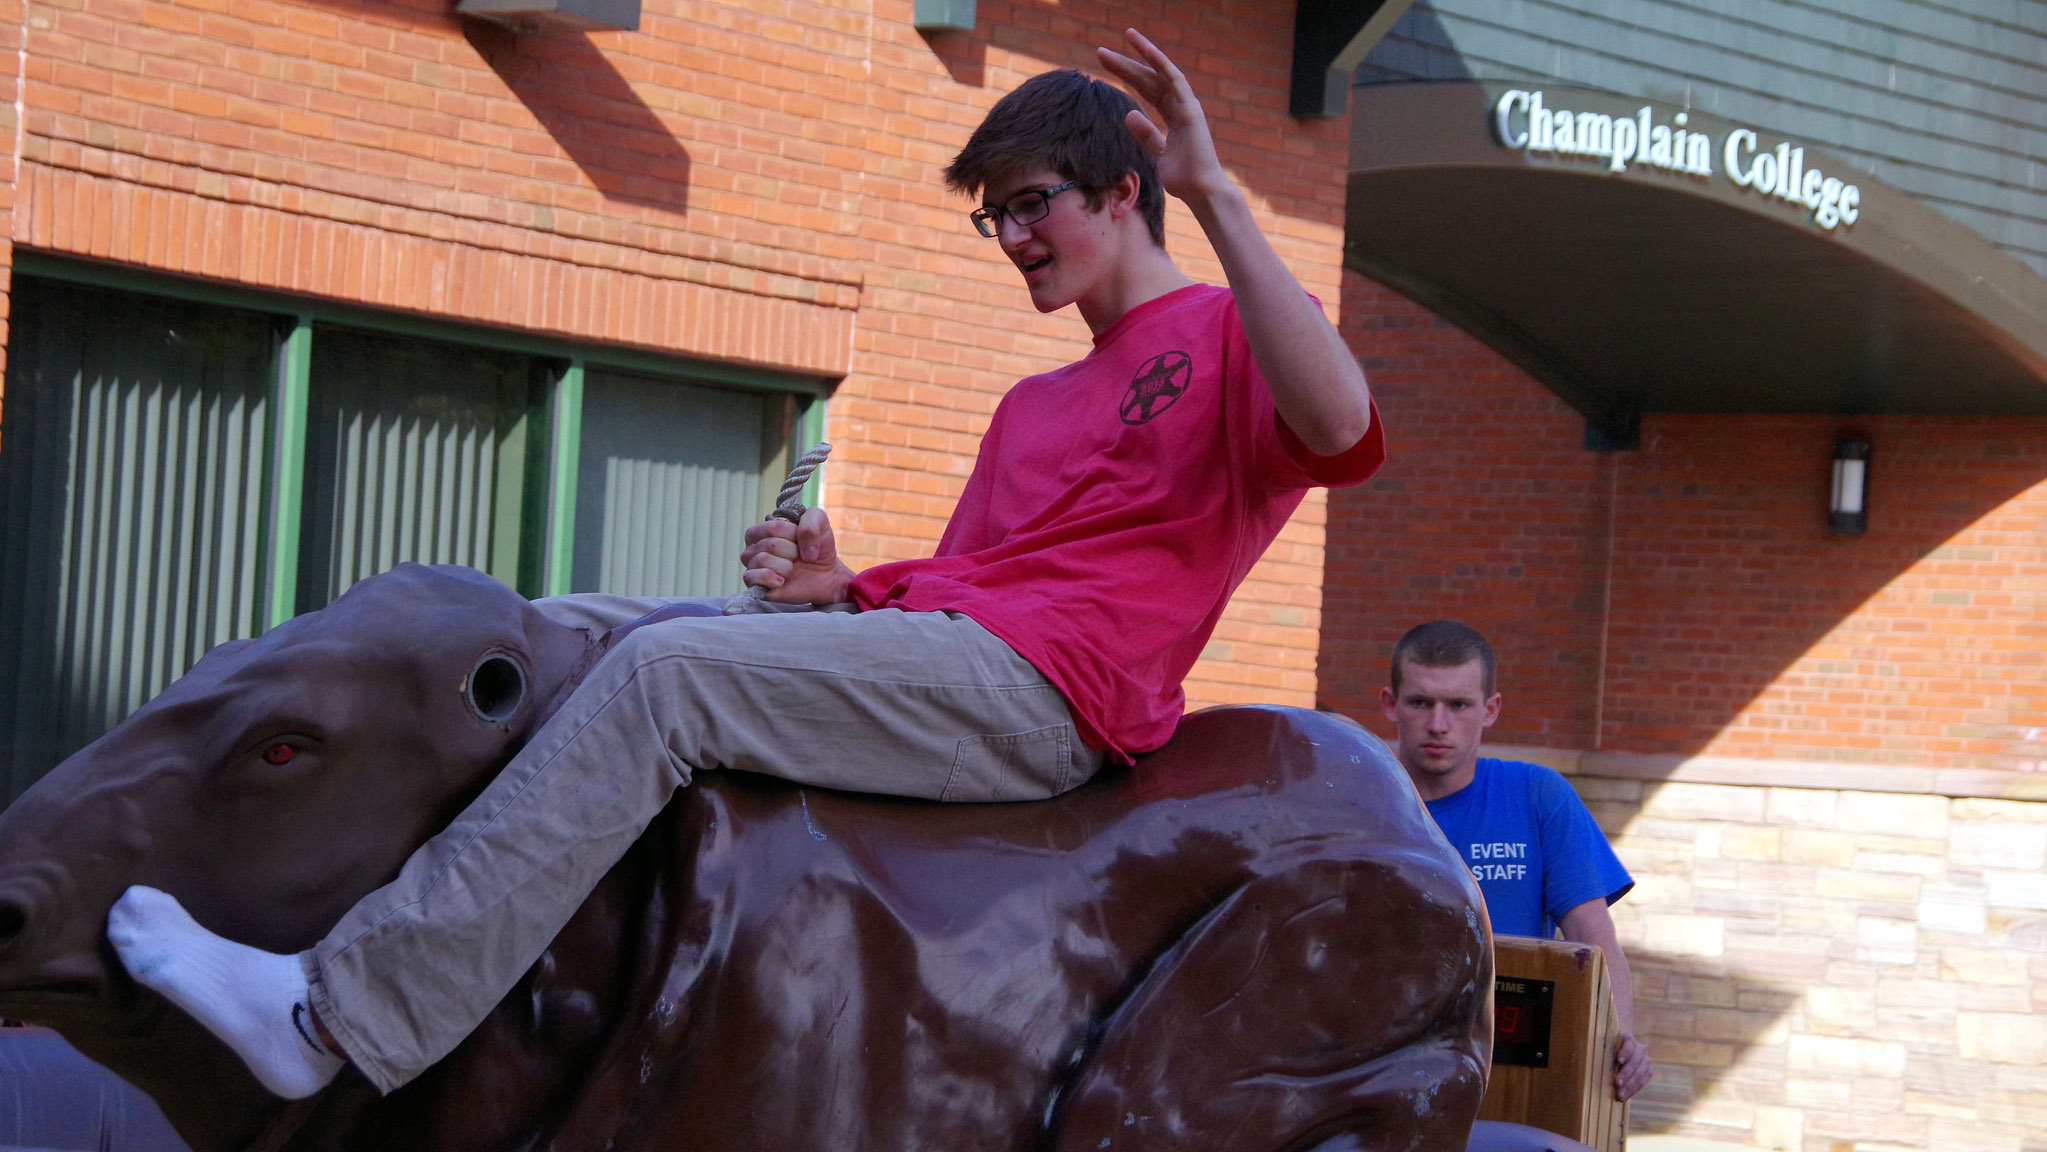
(1161,381)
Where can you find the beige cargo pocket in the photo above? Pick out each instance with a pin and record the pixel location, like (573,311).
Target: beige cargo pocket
(1014,766)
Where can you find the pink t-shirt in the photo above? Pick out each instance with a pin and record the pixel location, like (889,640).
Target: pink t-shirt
(1115,505)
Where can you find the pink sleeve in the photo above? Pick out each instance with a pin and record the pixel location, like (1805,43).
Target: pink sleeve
(1354,465)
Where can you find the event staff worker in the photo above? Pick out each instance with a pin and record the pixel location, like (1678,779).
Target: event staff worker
(1539,858)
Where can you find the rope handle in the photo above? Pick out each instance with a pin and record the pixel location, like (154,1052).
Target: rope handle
(787,506)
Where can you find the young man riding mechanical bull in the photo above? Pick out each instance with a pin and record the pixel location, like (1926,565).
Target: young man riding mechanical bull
(1116,504)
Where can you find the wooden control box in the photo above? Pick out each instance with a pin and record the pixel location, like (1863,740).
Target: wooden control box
(1554,1036)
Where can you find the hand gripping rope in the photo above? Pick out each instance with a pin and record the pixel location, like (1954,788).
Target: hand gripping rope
(787,507)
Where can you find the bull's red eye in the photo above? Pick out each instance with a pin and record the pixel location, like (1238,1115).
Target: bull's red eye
(279,754)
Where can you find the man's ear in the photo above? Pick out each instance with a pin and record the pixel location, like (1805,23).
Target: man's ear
(1121,197)
(1389,702)
(1492,709)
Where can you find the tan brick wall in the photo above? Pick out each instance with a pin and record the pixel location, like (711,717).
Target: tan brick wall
(748,181)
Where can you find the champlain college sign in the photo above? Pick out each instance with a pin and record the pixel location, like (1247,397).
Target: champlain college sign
(1520,120)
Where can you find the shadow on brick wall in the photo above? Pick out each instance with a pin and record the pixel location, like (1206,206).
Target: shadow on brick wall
(1739,620)
(591,112)
(1688,593)
(964,55)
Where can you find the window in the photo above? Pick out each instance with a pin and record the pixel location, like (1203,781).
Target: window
(670,476)
(414,450)
(176,472)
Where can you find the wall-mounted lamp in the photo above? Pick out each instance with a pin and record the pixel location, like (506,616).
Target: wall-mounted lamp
(1848,511)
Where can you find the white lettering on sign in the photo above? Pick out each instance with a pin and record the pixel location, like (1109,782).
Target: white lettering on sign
(1499,871)
(1782,173)
(1522,121)
(1496,851)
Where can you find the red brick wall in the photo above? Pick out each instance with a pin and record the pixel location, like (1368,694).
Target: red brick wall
(652,188)
(11,28)
(1750,630)
(750,181)
(1735,624)
(1488,510)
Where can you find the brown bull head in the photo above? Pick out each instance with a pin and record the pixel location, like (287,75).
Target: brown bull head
(275,784)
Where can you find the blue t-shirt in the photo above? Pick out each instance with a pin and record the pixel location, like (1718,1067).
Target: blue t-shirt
(1531,843)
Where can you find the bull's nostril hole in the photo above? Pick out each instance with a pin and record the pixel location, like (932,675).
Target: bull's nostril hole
(496,688)
(13,922)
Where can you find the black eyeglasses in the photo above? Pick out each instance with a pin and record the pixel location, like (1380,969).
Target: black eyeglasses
(1024,208)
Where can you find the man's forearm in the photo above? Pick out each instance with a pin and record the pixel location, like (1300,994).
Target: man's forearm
(1623,987)
(1316,383)
(1590,924)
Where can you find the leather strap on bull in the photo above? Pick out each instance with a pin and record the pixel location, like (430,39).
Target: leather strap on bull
(787,507)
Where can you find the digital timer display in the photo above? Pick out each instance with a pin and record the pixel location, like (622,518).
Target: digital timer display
(1512,1024)
(1521,1019)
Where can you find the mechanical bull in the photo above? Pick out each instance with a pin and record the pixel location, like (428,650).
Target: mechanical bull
(1255,940)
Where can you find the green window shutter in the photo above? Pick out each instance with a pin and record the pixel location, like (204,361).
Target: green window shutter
(415,450)
(670,476)
(132,450)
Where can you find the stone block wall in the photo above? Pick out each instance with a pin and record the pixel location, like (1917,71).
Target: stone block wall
(1835,971)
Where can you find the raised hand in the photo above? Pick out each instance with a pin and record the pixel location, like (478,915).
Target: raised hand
(1185,152)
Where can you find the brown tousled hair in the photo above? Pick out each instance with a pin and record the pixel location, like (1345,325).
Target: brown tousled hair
(1072,124)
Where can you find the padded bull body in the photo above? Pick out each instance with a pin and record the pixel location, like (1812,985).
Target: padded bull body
(1255,940)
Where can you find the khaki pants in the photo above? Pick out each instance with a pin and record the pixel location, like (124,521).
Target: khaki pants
(919,704)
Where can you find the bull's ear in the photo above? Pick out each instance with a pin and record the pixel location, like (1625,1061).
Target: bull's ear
(220,652)
(495,688)
(227,647)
